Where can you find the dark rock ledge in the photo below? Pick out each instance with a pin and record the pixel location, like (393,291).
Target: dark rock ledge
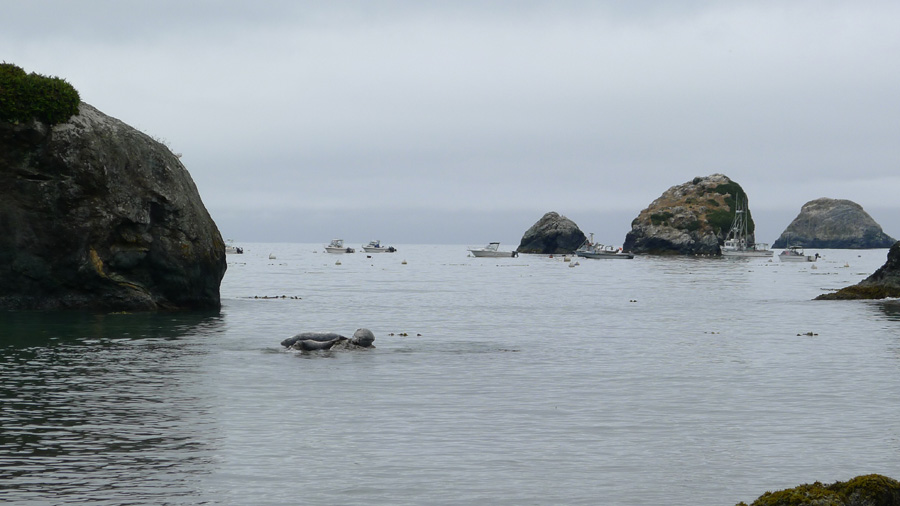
(882,284)
(868,490)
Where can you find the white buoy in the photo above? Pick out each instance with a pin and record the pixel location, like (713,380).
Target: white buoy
(271,256)
(337,263)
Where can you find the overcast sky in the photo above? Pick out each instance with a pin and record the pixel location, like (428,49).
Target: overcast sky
(464,122)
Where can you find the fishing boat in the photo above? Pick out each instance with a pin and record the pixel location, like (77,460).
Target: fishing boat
(737,242)
(796,254)
(492,250)
(337,246)
(376,247)
(590,249)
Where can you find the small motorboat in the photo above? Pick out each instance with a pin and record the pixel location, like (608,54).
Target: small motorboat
(231,249)
(337,246)
(376,247)
(492,250)
(590,249)
(796,254)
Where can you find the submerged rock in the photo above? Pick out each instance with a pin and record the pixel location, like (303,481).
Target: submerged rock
(867,490)
(553,234)
(883,283)
(689,219)
(97,215)
(833,224)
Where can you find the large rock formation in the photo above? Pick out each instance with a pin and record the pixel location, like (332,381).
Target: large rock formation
(95,214)
(553,234)
(867,490)
(689,219)
(883,283)
(836,224)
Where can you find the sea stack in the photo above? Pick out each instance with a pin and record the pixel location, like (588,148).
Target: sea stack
(883,283)
(95,214)
(833,224)
(553,234)
(689,219)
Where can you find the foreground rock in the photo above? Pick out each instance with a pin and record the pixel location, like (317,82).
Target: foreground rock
(97,215)
(689,219)
(868,490)
(883,283)
(553,234)
(312,341)
(833,224)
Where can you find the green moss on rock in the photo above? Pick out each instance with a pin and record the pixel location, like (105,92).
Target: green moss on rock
(24,97)
(857,292)
(883,283)
(866,490)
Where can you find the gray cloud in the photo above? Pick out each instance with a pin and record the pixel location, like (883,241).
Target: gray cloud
(327,111)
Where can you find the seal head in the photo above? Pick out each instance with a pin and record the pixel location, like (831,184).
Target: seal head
(363,338)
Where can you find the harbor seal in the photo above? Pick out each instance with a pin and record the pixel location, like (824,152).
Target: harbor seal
(312,341)
(311,336)
(312,345)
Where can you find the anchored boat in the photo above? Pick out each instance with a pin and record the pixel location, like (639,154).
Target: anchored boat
(590,249)
(737,242)
(492,250)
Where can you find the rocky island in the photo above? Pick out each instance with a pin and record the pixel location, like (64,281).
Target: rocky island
(833,224)
(95,214)
(553,234)
(689,219)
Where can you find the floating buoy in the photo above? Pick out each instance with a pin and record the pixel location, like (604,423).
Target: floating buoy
(403,262)
(337,263)
(271,256)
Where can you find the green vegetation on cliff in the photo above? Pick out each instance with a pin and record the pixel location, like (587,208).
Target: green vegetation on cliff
(721,220)
(26,96)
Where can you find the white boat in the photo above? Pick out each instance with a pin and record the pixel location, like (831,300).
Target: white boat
(337,246)
(492,250)
(590,249)
(796,254)
(231,249)
(737,242)
(376,247)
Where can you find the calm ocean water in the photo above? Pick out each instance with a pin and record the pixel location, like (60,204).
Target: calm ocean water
(520,381)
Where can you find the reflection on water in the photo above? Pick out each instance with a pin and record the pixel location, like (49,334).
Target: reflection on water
(890,309)
(30,328)
(110,403)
